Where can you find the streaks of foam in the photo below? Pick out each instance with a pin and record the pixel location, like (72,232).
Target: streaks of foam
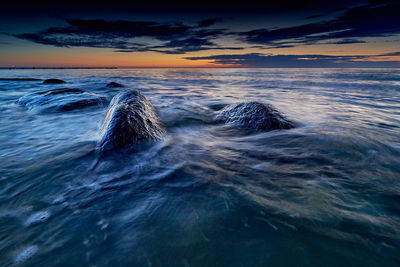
(25,253)
(38,217)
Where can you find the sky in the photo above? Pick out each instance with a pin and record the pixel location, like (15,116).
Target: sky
(308,33)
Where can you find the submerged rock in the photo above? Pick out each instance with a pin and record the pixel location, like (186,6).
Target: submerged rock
(253,116)
(63,99)
(53,81)
(114,84)
(131,119)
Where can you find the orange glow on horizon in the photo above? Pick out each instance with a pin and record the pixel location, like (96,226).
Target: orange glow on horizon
(45,56)
(89,57)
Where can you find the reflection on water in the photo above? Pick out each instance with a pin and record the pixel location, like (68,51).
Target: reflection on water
(324,193)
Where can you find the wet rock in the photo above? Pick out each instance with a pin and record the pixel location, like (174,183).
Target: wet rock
(63,99)
(253,116)
(20,79)
(131,119)
(114,84)
(217,106)
(53,81)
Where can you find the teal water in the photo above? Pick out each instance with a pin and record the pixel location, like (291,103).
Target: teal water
(326,193)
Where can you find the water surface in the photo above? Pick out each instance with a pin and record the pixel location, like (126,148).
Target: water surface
(326,193)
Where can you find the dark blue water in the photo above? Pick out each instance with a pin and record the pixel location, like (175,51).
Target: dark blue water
(326,193)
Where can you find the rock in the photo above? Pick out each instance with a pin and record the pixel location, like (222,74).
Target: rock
(63,99)
(114,84)
(20,79)
(53,81)
(253,116)
(217,106)
(131,119)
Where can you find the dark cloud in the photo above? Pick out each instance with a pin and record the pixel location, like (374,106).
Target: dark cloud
(372,20)
(348,41)
(81,41)
(102,29)
(376,19)
(180,46)
(121,28)
(189,45)
(315,16)
(294,61)
(185,45)
(207,22)
(391,54)
(176,38)
(207,33)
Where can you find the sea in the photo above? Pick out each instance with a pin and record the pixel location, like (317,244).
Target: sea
(325,193)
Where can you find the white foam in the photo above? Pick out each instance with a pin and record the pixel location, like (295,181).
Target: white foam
(395,146)
(103,224)
(58,199)
(38,217)
(25,253)
(262,166)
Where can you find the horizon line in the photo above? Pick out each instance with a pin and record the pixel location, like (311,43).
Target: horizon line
(196,67)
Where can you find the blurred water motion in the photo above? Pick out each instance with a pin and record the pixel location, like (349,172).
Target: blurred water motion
(325,193)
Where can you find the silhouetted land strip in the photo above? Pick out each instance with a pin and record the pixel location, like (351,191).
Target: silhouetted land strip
(20,79)
(56,68)
(53,81)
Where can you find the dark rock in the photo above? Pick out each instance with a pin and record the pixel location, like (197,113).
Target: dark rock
(20,79)
(217,107)
(253,116)
(63,99)
(114,84)
(131,119)
(53,81)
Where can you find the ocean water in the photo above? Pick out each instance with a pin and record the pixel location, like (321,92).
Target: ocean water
(326,193)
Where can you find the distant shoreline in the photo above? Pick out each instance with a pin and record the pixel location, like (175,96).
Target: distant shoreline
(241,67)
(55,68)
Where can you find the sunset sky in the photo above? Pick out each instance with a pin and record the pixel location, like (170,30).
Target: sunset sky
(200,34)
